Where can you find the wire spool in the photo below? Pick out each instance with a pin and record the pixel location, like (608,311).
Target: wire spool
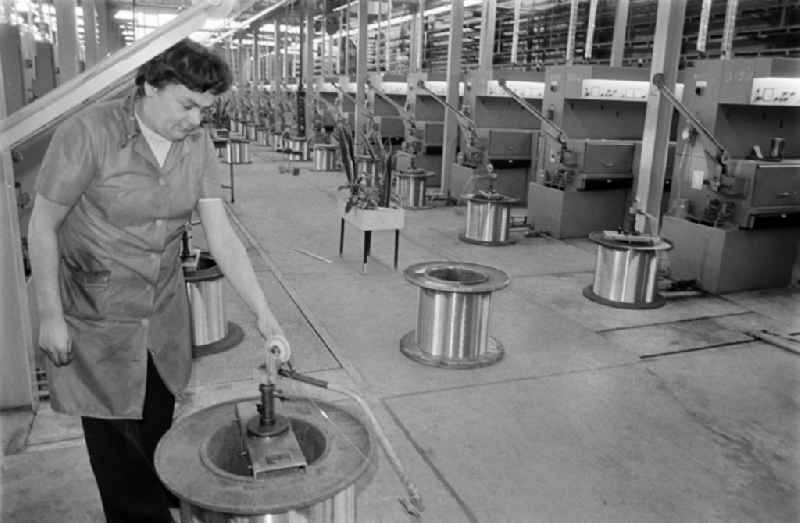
(454,304)
(262,137)
(211,332)
(237,151)
(250,132)
(625,272)
(277,142)
(488,219)
(200,460)
(324,157)
(410,188)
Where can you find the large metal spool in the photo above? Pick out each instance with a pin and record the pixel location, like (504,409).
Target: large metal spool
(250,131)
(454,305)
(625,272)
(200,460)
(324,157)
(277,141)
(237,151)
(211,332)
(236,127)
(298,147)
(410,188)
(488,219)
(262,136)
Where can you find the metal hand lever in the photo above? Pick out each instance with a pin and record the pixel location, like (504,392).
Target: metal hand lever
(720,154)
(555,132)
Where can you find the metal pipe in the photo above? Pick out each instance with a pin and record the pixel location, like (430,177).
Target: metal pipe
(702,31)
(515,31)
(587,49)
(573,26)
(620,30)
(727,33)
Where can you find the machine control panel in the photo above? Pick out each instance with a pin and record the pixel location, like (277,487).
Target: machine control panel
(439,88)
(398,88)
(619,90)
(525,89)
(775,91)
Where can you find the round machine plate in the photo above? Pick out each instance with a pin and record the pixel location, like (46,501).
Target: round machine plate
(419,274)
(493,354)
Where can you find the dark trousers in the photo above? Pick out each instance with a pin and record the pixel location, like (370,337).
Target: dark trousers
(121,454)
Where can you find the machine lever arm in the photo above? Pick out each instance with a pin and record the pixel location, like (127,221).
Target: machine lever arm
(720,153)
(405,115)
(553,130)
(367,112)
(464,122)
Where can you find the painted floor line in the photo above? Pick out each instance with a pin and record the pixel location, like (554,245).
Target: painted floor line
(696,349)
(436,472)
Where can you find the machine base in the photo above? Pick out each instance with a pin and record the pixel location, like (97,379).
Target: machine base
(730,260)
(233,338)
(574,214)
(658,301)
(408,346)
(464,238)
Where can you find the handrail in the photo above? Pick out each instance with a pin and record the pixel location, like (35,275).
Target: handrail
(106,75)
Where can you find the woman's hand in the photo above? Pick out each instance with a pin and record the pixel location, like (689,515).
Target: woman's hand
(54,339)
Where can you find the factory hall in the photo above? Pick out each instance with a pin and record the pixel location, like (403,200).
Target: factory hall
(399,261)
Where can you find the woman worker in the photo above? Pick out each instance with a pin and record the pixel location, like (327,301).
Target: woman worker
(116,186)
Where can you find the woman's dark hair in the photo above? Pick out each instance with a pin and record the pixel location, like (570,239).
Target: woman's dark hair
(188,63)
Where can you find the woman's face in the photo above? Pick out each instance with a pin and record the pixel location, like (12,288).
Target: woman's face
(174,111)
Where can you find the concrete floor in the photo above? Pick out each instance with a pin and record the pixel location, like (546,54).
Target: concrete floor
(585,419)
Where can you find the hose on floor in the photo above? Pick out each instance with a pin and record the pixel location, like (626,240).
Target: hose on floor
(413,505)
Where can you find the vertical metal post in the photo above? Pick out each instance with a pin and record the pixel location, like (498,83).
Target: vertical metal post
(256,56)
(308,69)
(728,31)
(573,27)
(67,40)
(347,42)
(702,31)
(387,34)
(515,31)
(16,337)
(278,75)
(486,47)
(620,31)
(361,76)
(649,181)
(417,30)
(90,32)
(587,48)
(103,29)
(453,81)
